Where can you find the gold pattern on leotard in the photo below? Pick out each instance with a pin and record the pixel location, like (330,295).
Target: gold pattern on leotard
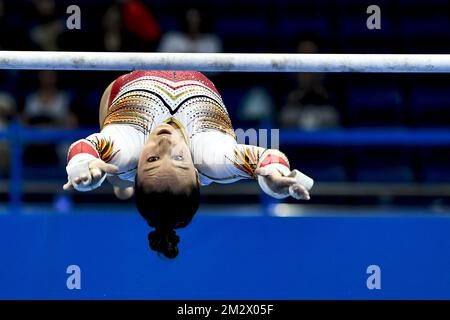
(134,108)
(143,100)
(104,148)
(206,114)
(246,159)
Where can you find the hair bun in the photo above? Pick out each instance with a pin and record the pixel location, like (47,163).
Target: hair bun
(165,242)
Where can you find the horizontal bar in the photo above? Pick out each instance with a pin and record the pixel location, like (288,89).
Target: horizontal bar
(232,62)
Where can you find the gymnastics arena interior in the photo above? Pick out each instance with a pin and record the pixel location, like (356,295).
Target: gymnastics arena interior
(376,144)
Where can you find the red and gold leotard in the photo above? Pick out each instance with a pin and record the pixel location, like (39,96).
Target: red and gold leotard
(141,100)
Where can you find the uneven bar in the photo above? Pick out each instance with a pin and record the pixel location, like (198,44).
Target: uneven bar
(227,62)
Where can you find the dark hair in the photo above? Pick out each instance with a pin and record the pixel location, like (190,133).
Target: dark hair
(166,211)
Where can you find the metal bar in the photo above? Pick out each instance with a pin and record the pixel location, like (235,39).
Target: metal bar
(230,62)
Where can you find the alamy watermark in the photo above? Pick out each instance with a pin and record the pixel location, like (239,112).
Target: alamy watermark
(374,20)
(74,279)
(74,20)
(259,137)
(245,138)
(374,280)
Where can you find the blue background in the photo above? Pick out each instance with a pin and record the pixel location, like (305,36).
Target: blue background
(226,257)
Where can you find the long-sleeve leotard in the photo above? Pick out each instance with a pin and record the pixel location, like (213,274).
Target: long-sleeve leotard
(141,100)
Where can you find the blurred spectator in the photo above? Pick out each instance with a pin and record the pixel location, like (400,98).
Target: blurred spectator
(47,26)
(192,38)
(308,105)
(48,107)
(112,25)
(256,106)
(130,26)
(140,23)
(8,108)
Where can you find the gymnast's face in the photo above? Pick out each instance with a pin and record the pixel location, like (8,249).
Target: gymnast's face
(166,162)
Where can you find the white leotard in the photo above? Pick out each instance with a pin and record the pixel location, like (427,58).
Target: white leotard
(142,100)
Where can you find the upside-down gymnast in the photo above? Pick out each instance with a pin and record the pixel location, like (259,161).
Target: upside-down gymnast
(163,135)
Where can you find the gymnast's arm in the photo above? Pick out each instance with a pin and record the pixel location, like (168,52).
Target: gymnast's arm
(111,154)
(99,156)
(87,162)
(219,158)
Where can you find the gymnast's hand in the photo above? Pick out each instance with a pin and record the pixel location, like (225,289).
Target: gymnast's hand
(88,174)
(283,185)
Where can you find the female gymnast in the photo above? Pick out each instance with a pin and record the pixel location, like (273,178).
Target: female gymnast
(163,135)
